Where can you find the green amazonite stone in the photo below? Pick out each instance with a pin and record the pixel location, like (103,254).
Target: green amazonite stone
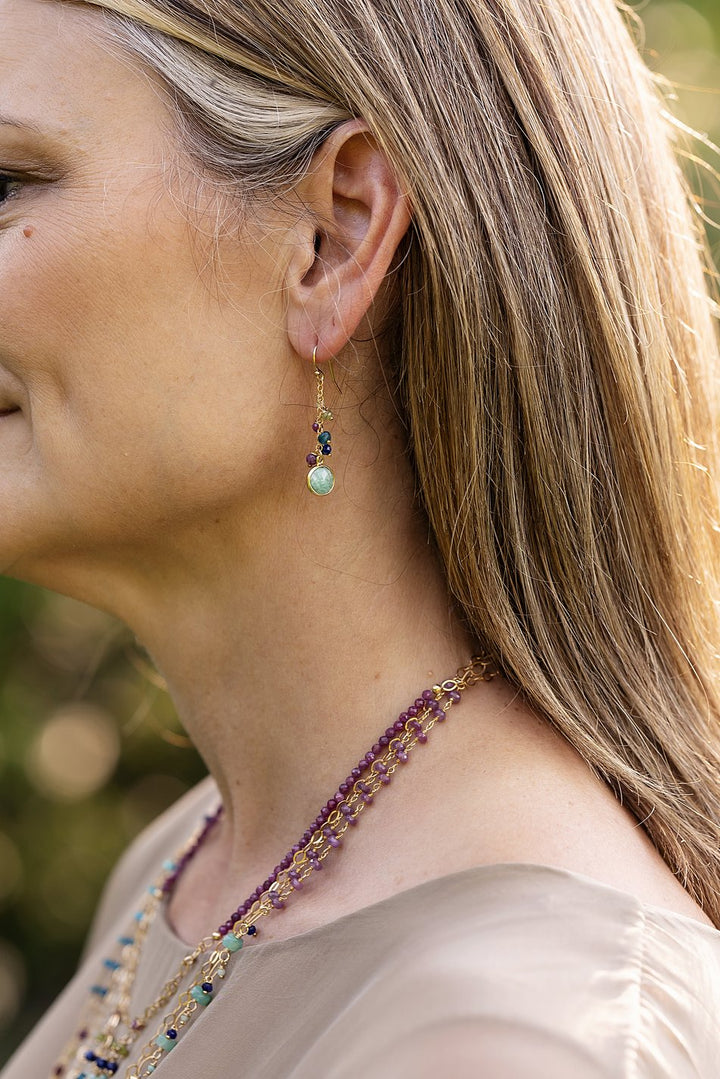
(166,1043)
(320,480)
(198,993)
(232,943)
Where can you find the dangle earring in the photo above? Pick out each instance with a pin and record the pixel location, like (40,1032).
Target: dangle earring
(320,478)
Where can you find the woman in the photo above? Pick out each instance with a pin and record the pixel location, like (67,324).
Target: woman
(454,238)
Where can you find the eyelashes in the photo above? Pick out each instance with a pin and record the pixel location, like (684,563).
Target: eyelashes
(6,183)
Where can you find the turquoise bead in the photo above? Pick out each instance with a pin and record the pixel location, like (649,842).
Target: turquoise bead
(198,993)
(232,943)
(166,1043)
(320,480)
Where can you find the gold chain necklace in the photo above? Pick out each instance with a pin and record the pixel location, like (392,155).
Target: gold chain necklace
(103,1044)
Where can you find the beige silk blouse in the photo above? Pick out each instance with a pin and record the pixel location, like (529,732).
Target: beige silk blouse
(502,971)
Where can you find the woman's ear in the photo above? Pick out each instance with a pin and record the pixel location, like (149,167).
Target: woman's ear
(357,214)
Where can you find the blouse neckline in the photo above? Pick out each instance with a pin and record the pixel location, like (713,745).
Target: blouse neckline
(488,870)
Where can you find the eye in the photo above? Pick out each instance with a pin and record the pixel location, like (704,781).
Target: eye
(6,187)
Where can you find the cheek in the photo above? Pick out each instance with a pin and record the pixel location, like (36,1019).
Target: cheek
(143,403)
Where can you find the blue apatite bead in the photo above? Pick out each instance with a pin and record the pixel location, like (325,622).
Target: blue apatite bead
(126,940)
(198,993)
(169,865)
(99,990)
(166,1043)
(323,437)
(232,943)
(138,915)
(111,964)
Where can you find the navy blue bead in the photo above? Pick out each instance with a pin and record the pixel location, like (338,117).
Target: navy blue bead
(112,1067)
(100,1063)
(252,930)
(207,987)
(90,1055)
(171,1033)
(327,448)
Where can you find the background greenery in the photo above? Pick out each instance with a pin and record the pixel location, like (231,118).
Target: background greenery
(90,749)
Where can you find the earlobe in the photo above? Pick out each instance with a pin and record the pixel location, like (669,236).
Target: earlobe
(357,214)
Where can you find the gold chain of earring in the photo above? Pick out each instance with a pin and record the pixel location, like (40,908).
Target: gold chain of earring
(320,478)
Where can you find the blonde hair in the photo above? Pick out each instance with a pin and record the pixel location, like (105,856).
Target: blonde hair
(554,335)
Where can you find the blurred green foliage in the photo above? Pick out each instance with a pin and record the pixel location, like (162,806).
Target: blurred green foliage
(91,750)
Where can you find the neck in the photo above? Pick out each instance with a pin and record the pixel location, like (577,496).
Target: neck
(283,697)
(286,666)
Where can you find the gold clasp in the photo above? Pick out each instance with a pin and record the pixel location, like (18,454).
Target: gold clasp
(479,669)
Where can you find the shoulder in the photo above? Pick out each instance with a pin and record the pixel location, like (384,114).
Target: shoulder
(467,1048)
(516,970)
(141,860)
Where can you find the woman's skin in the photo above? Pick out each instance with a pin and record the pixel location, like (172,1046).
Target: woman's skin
(155,467)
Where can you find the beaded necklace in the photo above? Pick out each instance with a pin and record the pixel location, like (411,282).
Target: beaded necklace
(109,1033)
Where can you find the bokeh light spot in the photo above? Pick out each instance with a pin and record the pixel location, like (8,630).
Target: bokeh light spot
(75,752)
